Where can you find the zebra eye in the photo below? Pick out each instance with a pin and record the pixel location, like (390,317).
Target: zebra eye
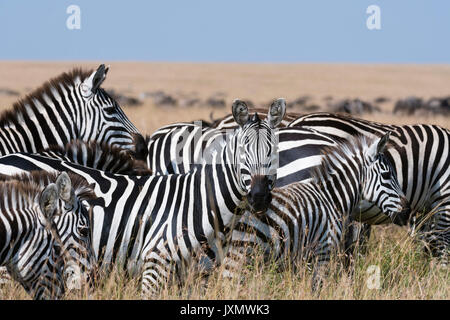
(110,110)
(83,229)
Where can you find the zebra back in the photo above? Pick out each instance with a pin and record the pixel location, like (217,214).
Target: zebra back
(98,156)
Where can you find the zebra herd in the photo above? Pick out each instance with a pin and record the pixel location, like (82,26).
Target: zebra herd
(82,189)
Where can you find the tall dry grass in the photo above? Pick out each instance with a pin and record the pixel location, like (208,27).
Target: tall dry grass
(405,273)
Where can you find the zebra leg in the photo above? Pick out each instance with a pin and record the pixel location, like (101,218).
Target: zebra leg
(237,256)
(319,274)
(434,232)
(321,260)
(157,270)
(158,267)
(356,241)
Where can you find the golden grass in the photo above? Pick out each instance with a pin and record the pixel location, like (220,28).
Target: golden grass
(405,272)
(257,82)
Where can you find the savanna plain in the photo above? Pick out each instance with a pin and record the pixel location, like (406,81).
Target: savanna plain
(156,94)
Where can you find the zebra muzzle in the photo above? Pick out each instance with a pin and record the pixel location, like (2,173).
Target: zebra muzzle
(401,218)
(260,195)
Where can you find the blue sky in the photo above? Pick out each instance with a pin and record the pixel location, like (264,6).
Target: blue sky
(412,31)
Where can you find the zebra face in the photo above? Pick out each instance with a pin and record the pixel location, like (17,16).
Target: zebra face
(36,262)
(101,118)
(257,152)
(381,185)
(73,224)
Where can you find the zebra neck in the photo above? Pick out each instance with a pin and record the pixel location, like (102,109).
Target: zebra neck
(11,242)
(224,195)
(343,192)
(38,123)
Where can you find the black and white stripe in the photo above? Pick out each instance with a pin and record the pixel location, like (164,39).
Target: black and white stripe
(71,106)
(152,223)
(44,232)
(312,220)
(180,148)
(98,156)
(420,155)
(89,154)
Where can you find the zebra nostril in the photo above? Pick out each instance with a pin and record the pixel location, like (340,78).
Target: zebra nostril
(401,218)
(259,202)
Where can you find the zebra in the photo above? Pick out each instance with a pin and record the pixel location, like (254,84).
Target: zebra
(311,220)
(180,147)
(44,231)
(424,181)
(420,155)
(70,106)
(155,224)
(89,154)
(99,156)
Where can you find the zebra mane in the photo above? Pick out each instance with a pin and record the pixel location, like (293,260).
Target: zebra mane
(16,191)
(340,153)
(19,108)
(147,139)
(99,156)
(32,183)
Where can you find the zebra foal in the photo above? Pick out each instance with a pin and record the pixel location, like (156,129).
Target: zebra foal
(420,155)
(312,220)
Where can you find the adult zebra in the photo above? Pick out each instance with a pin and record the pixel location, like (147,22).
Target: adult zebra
(88,154)
(424,179)
(420,155)
(154,223)
(44,231)
(100,156)
(181,147)
(70,106)
(311,220)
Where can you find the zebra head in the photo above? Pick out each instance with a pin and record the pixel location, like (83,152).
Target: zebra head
(27,214)
(101,119)
(257,152)
(73,225)
(381,186)
(39,261)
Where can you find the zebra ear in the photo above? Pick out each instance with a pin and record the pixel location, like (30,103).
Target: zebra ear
(47,201)
(240,112)
(381,147)
(65,190)
(94,81)
(378,146)
(276,112)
